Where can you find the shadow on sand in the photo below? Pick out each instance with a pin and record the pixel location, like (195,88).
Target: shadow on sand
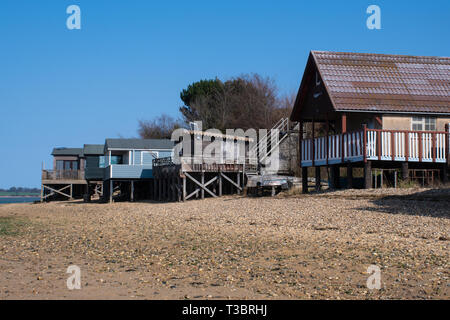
(428,203)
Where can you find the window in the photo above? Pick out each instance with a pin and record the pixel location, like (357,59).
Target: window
(101,162)
(430,124)
(116,160)
(69,165)
(59,165)
(423,124)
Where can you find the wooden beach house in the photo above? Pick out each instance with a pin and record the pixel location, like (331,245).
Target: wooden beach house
(383,113)
(66,180)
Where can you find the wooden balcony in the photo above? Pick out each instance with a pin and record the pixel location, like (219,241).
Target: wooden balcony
(373,144)
(63,176)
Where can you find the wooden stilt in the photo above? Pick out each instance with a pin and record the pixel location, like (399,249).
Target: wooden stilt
(349,175)
(203,183)
(184,188)
(159,189)
(318,182)
(238,178)
(220,184)
(304,180)
(132,191)
(174,189)
(445,173)
(368,175)
(111,190)
(335,176)
(405,171)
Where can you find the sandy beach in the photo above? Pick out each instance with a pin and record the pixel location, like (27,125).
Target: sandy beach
(316,246)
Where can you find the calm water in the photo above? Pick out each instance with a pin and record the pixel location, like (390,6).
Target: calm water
(19,199)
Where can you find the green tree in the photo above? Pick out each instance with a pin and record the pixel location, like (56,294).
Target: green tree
(200,102)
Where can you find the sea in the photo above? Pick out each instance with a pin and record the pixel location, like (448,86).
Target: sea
(4,200)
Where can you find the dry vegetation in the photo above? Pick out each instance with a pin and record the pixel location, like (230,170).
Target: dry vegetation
(288,247)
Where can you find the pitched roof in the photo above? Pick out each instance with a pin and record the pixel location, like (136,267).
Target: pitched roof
(93,149)
(144,144)
(384,83)
(67,152)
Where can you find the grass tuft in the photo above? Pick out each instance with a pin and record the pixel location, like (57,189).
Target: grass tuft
(11,226)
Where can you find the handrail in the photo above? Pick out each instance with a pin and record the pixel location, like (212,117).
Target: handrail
(377,144)
(62,175)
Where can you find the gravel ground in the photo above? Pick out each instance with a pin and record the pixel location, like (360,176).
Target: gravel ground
(315,246)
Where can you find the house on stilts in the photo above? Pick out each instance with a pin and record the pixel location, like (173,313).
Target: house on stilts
(129,167)
(66,179)
(385,114)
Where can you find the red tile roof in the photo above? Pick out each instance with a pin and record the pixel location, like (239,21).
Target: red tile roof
(385,83)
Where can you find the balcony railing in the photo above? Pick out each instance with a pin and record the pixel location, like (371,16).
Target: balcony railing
(62,175)
(373,144)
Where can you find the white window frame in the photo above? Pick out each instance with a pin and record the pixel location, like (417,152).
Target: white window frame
(423,122)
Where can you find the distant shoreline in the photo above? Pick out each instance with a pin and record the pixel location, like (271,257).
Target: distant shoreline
(27,196)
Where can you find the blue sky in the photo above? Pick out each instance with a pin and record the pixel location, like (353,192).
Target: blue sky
(131,59)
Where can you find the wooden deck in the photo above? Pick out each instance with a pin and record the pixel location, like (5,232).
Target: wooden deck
(380,145)
(196,178)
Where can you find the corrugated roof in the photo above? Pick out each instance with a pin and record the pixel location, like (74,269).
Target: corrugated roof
(67,152)
(144,144)
(383,83)
(93,149)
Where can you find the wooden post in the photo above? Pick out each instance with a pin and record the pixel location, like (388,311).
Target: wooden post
(364,148)
(344,122)
(238,182)
(447,143)
(419,134)
(335,176)
(327,140)
(220,184)
(313,143)
(344,133)
(405,171)
(445,173)
(160,189)
(184,189)
(393,145)
(381,178)
(111,185)
(406,146)
(179,187)
(174,187)
(379,144)
(349,175)
(203,183)
(304,180)
(433,146)
(300,139)
(132,191)
(368,175)
(318,184)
